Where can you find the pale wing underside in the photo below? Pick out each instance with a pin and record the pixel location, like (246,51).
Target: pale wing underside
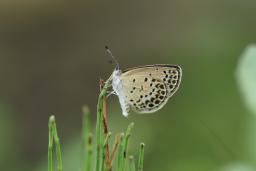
(148,88)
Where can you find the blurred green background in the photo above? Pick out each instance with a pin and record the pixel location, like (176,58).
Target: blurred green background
(52,56)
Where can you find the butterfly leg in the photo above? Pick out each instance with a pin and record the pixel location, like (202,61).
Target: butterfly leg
(110,93)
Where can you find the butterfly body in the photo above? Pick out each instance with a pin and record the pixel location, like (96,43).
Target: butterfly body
(146,89)
(118,89)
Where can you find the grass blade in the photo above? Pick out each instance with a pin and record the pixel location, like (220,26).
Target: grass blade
(131,164)
(103,164)
(120,152)
(53,136)
(141,157)
(99,137)
(126,141)
(85,137)
(50,144)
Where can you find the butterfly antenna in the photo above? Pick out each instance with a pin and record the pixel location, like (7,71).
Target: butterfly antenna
(111,55)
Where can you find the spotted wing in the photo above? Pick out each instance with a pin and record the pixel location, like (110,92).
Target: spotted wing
(148,88)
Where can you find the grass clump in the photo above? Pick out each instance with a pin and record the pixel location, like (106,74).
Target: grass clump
(105,158)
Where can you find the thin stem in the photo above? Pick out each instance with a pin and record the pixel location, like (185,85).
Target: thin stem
(131,164)
(57,146)
(89,153)
(85,137)
(141,157)
(99,125)
(120,152)
(50,144)
(104,122)
(114,148)
(103,164)
(53,136)
(127,137)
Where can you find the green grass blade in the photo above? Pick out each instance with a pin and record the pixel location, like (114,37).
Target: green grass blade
(120,152)
(99,132)
(53,136)
(126,141)
(89,153)
(57,145)
(50,144)
(131,164)
(141,157)
(85,136)
(103,164)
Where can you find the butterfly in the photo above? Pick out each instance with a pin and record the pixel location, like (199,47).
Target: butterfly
(145,89)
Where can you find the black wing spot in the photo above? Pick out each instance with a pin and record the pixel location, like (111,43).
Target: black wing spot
(153,80)
(174,81)
(162,86)
(146,79)
(138,101)
(163,92)
(151,105)
(157,102)
(131,91)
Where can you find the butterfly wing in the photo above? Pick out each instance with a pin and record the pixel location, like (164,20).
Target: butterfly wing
(148,88)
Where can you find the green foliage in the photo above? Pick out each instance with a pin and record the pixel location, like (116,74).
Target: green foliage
(53,136)
(246,77)
(104,160)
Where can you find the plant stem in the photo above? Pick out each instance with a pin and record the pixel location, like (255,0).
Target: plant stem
(99,125)
(89,153)
(131,164)
(126,141)
(53,135)
(85,137)
(103,164)
(57,146)
(120,152)
(141,157)
(50,144)
(105,126)
(113,153)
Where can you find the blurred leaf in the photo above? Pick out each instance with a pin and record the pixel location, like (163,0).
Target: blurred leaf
(237,167)
(246,77)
